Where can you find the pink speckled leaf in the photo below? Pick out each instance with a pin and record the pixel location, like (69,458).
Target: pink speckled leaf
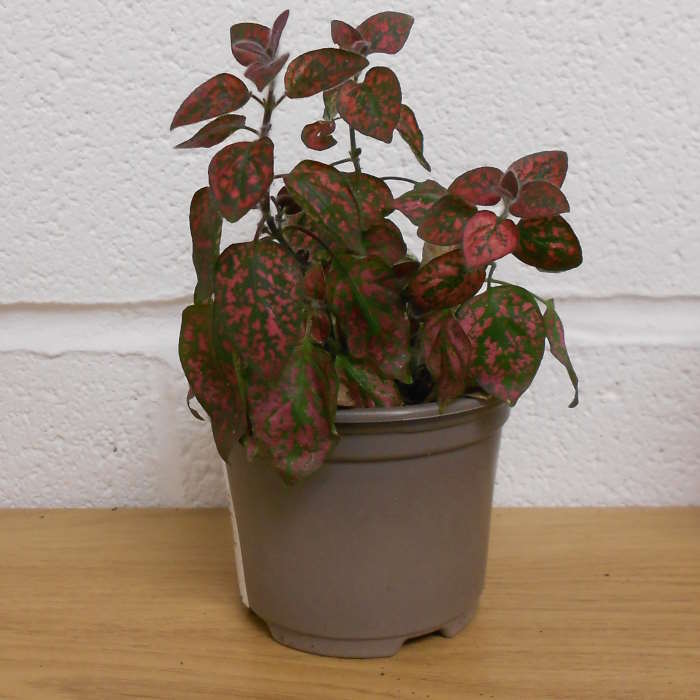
(410,132)
(385,241)
(549,166)
(448,354)
(386,32)
(548,244)
(214,132)
(373,197)
(205,227)
(539,199)
(319,70)
(317,135)
(506,329)
(248,41)
(343,34)
(555,335)
(262,73)
(446,221)
(293,420)
(260,307)
(217,395)
(372,107)
(364,295)
(416,203)
(365,387)
(323,194)
(480,186)
(486,239)
(221,94)
(276,32)
(444,282)
(240,175)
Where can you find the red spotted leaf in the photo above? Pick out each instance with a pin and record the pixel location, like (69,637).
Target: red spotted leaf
(549,166)
(385,241)
(446,221)
(343,34)
(479,186)
(276,32)
(260,308)
(539,199)
(205,227)
(372,107)
(386,32)
(410,132)
(323,194)
(448,354)
(364,295)
(555,336)
(373,197)
(319,70)
(221,94)
(365,388)
(262,73)
(506,329)
(415,203)
(486,238)
(249,41)
(317,135)
(548,244)
(214,132)
(217,395)
(300,242)
(240,175)
(445,282)
(293,420)
(509,185)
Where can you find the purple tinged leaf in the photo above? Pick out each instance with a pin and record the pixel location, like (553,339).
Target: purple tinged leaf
(480,186)
(240,175)
(317,135)
(415,203)
(555,335)
(405,268)
(343,34)
(410,132)
(384,240)
(248,32)
(487,238)
(205,227)
(539,199)
(214,132)
(446,221)
(262,73)
(276,33)
(509,185)
(386,32)
(364,386)
(323,69)
(549,166)
(373,197)
(221,94)
(548,244)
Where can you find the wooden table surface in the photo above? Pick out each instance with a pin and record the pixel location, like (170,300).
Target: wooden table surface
(143,604)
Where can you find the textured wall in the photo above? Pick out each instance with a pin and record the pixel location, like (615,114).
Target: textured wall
(95,259)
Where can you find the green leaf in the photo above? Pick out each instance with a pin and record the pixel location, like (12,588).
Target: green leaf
(205,227)
(555,335)
(366,389)
(323,69)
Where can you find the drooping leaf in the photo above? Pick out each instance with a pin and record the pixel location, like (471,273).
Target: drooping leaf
(221,399)
(373,197)
(410,132)
(293,420)
(240,175)
(478,186)
(330,104)
(262,73)
(323,193)
(221,94)
(555,335)
(317,135)
(548,244)
(259,300)
(538,199)
(385,241)
(445,282)
(486,238)
(248,32)
(506,329)
(415,203)
(343,34)
(276,32)
(205,227)
(386,32)
(365,387)
(364,296)
(549,166)
(319,70)
(446,221)
(372,107)
(214,132)
(448,354)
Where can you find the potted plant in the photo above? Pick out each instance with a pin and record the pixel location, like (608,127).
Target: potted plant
(325,353)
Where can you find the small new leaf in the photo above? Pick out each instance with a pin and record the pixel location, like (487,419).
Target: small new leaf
(317,135)
(205,227)
(410,132)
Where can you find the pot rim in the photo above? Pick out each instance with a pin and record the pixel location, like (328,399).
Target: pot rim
(413,412)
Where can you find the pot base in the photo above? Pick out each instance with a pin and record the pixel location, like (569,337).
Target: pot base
(362,648)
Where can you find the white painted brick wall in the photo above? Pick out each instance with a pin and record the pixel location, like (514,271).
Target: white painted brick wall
(95,258)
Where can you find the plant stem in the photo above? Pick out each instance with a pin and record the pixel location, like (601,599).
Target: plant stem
(400,179)
(257,99)
(264,130)
(284,94)
(250,128)
(340,162)
(354,151)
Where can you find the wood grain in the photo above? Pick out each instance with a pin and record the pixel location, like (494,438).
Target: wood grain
(143,604)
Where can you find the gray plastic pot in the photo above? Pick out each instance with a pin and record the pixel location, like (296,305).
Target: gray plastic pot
(386,542)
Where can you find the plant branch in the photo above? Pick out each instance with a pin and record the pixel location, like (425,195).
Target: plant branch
(400,179)
(258,100)
(341,161)
(284,94)
(354,151)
